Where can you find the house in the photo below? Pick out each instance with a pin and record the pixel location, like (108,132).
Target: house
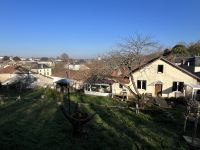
(42,69)
(77,77)
(15,74)
(160,77)
(11,74)
(49,63)
(77,67)
(121,78)
(7,72)
(44,80)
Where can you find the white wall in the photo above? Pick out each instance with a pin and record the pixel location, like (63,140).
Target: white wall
(170,74)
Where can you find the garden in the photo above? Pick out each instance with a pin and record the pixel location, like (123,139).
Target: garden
(37,122)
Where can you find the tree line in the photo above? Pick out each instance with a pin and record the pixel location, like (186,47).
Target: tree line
(184,50)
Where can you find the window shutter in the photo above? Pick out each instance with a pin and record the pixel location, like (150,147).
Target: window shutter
(139,84)
(144,84)
(174,86)
(180,86)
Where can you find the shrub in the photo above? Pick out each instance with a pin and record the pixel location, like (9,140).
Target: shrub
(51,93)
(177,101)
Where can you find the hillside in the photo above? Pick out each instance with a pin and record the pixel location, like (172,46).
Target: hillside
(35,124)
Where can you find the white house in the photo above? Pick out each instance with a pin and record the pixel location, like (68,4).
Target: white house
(160,77)
(11,74)
(42,69)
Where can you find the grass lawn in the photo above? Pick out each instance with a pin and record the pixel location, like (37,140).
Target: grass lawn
(35,124)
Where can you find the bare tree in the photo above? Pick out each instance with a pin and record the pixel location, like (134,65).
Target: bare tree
(128,55)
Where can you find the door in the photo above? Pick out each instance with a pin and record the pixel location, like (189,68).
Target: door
(158,89)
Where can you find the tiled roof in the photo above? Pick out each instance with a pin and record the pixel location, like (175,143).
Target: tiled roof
(8,70)
(121,79)
(73,74)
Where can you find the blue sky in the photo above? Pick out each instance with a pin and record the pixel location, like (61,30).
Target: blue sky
(86,28)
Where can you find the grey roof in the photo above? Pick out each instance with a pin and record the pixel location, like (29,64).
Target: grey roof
(193,61)
(190,64)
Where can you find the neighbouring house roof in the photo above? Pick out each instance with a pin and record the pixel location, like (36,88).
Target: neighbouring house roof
(99,80)
(79,75)
(121,79)
(189,64)
(15,70)
(104,81)
(121,75)
(40,66)
(120,72)
(181,59)
(8,70)
(168,62)
(188,61)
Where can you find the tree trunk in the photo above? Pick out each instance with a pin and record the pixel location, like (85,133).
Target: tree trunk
(134,86)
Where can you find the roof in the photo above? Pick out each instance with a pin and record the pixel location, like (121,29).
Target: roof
(8,70)
(104,81)
(40,66)
(99,80)
(80,75)
(121,79)
(168,62)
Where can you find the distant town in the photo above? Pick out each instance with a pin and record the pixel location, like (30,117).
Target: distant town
(111,75)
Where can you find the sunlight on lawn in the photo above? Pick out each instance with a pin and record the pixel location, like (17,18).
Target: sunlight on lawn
(36,124)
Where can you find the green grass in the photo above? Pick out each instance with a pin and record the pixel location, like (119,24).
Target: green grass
(35,124)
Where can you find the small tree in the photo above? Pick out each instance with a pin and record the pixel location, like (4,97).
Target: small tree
(44,59)
(167,52)
(64,57)
(6,58)
(179,50)
(194,49)
(16,58)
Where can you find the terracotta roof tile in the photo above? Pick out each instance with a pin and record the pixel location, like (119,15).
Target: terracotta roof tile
(8,70)
(73,74)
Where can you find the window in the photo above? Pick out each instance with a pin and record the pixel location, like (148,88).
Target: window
(177,86)
(160,68)
(142,84)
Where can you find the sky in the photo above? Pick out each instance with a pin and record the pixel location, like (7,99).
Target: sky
(88,28)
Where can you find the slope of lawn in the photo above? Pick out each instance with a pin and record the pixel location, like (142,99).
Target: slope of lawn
(35,124)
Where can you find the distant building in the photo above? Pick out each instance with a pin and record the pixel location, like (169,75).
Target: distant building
(77,77)
(49,63)
(13,74)
(77,67)
(42,69)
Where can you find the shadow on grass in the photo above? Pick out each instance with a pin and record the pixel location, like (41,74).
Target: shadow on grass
(41,125)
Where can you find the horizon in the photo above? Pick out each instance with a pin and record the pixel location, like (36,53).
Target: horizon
(87,29)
